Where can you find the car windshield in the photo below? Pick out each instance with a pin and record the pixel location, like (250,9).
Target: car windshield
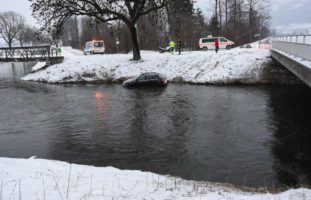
(98,44)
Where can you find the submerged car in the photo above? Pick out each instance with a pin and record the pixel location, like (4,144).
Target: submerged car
(147,79)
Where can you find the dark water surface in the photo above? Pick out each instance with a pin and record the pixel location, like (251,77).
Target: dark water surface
(245,135)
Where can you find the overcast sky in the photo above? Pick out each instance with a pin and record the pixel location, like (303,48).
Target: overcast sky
(285,13)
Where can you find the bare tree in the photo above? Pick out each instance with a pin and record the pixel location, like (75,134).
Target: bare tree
(11,24)
(20,36)
(54,13)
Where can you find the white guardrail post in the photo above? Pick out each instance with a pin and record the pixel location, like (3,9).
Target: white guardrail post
(300,47)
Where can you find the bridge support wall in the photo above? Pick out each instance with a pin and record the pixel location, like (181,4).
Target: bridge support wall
(301,71)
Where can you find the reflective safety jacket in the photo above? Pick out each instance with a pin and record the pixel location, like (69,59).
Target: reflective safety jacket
(172,44)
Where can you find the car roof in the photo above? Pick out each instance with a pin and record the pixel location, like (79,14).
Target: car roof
(212,37)
(93,41)
(150,73)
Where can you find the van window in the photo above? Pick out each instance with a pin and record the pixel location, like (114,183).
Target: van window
(88,45)
(98,44)
(223,40)
(208,40)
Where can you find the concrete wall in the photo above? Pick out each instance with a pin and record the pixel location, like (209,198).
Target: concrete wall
(301,71)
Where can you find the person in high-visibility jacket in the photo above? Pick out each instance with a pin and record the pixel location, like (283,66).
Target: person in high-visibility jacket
(172,46)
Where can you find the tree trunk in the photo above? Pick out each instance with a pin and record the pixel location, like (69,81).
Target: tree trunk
(135,42)
(220,15)
(234,17)
(216,10)
(226,16)
(10,43)
(250,20)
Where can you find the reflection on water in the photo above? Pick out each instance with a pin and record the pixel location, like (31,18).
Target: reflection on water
(14,70)
(255,136)
(291,147)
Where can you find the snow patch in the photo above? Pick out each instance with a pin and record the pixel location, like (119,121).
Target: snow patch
(44,179)
(38,66)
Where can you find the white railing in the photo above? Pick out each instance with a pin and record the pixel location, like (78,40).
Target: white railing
(298,45)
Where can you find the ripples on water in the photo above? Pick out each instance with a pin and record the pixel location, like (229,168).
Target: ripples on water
(255,136)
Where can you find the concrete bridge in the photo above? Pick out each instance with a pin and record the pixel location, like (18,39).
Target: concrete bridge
(294,53)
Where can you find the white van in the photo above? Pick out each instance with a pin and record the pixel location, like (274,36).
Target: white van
(94,47)
(209,43)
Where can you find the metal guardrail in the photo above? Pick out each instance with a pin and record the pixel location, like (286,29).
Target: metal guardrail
(297,45)
(28,53)
(303,39)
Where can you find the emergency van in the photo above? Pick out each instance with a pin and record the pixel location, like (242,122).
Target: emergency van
(94,47)
(209,43)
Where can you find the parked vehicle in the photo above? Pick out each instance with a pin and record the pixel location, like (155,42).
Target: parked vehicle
(163,50)
(94,47)
(147,79)
(209,43)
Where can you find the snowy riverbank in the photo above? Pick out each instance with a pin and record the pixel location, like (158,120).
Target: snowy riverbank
(44,179)
(234,66)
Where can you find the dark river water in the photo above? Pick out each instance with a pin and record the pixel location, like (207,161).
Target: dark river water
(245,135)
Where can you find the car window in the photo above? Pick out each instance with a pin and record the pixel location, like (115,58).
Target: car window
(141,78)
(151,77)
(223,40)
(98,44)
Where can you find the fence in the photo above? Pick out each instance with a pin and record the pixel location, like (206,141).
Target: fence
(28,53)
(298,45)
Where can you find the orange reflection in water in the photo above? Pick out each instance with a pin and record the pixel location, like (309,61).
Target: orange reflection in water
(99,95)
(101,106)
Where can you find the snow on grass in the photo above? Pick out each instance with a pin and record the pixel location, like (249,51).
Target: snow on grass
(44,179)
(38,66)
(237,65)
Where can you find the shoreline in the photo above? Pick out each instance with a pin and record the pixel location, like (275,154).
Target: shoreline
(234,67)
(228,67)
(50,179)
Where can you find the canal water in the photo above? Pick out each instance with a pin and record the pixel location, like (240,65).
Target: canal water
(246,135)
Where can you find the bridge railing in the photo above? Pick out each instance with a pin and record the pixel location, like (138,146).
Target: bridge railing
(27,53)
(298,45)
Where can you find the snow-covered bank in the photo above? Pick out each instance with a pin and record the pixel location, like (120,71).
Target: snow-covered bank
(43,179)
(237,65)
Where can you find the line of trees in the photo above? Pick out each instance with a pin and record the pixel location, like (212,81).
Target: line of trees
(54,13)
(15,31)
(177,20)
(127,25)
(240,20)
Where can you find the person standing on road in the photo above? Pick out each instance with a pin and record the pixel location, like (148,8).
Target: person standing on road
(179,46)
(172,47)
(217,44)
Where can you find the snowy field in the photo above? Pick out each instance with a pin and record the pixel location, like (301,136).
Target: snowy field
(234,66)
(44,180)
